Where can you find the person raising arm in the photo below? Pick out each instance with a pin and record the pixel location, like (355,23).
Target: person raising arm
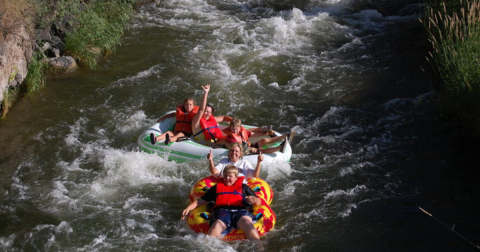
(205,126)
(235,157)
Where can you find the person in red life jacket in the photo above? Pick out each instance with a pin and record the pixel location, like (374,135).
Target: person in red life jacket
(235,158)
(183,125)
(205,126)
(236,133)
(233,199)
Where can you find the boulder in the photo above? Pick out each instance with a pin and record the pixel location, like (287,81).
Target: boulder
(63,64)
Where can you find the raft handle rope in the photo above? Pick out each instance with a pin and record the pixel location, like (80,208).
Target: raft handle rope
(204,216)
(208,130)
(431,215)
(234,193)
(258,216)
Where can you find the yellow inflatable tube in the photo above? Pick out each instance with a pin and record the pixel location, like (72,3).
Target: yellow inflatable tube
(261,188)
(199,218)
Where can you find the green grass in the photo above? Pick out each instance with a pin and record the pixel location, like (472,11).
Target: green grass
(36,73)
(98,30)
(454,33)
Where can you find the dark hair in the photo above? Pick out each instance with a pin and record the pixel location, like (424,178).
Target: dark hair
(211,106)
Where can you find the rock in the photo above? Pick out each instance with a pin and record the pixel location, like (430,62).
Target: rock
(19,78)
(63,64)
(58,43)
(13,82)
(16,48)
(43,35)
(46,46)
(56,52)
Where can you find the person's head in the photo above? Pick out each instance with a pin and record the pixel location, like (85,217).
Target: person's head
(235,152)
(230,175)
(209,109)
(235,125)
(188,104)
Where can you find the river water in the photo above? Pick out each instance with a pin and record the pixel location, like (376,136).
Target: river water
(368,151)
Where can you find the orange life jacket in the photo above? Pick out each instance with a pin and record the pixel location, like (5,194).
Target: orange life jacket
(210,129)
(184,120)
(242,137)
(229,195)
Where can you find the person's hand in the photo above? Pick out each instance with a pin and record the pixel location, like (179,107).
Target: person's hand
(260,157)
(250,199)
(184,213)
(210,156)
(206,88)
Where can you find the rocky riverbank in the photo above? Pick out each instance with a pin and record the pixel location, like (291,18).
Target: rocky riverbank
(18,41)
(16,48)
(54,35)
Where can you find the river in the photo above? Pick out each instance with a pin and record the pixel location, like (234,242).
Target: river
(369,148)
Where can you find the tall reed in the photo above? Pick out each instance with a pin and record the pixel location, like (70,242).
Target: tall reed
(455,58)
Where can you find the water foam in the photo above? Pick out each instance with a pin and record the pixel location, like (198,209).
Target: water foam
(346,193)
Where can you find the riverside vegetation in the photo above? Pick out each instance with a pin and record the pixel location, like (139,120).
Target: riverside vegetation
(86,30)
(454,33)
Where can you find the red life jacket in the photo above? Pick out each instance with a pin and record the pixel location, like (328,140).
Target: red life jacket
(239,138)
(184,120)
(229,195)
(210,129)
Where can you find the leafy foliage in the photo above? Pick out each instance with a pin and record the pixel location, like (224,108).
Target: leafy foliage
(36,72)
(98,30)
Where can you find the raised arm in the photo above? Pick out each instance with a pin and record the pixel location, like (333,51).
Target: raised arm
(201,110)
(211,165)
(256,173)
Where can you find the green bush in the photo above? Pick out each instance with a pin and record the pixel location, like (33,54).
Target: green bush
(454,33)
(98,30)
(36,72)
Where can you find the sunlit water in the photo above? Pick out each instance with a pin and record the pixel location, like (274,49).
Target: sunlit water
(368,150)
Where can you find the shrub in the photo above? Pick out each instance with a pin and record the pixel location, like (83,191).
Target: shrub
(98,30)
(36,72)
